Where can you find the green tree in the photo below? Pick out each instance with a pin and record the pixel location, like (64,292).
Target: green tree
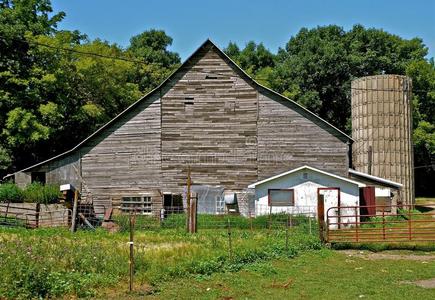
(57,87)
(255,59)
(317,66)
(158,62)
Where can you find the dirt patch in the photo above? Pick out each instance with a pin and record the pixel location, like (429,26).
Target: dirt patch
(375,256)
(427,284)
(284,285)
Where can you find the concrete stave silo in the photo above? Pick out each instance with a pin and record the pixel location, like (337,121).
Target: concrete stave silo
(382,130)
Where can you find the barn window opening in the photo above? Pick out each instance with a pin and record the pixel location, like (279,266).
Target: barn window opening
(141,205)
(172,201)
(281,197)
(188,104)
(38,177)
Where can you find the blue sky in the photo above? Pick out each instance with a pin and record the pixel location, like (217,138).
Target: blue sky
(190,22)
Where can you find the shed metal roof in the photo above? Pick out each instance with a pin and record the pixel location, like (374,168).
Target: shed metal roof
(359,184)
(376,179)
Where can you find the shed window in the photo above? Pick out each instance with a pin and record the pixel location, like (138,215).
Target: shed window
(281,197)
(142,205)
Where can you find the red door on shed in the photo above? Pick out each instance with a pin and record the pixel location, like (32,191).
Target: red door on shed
(367,201)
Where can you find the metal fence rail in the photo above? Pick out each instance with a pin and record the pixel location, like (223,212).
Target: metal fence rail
(390,224)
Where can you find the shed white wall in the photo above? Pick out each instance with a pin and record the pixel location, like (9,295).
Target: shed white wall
(305,193)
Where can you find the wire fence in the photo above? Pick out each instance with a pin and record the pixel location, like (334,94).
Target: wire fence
(176,218)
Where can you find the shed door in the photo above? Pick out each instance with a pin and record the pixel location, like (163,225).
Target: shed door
(331,202)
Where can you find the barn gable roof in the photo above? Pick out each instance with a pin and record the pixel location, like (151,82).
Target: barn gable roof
(265,90)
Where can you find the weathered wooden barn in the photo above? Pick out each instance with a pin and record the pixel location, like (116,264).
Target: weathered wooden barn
(209,115)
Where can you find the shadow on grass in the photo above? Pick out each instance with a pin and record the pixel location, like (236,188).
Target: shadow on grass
(377,247)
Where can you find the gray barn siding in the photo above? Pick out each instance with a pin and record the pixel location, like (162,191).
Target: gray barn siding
(216,135)
(57,172)
(22,179)
(125,161)
(288,140)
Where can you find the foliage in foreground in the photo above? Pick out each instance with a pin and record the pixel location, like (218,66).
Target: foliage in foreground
(9,192)
(53,262)
(32,193)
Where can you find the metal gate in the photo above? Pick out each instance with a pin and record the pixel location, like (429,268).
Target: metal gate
(392,224)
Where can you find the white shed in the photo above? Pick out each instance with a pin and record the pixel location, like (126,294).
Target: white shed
(297,192)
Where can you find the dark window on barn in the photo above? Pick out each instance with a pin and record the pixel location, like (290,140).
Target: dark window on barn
(188,105)
(281,197)
(142,205)
(38,177)
(211,77)
(172,200)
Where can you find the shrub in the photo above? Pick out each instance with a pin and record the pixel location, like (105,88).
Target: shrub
(43,194)
(9,192)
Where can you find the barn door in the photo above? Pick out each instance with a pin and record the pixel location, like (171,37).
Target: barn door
(331,202)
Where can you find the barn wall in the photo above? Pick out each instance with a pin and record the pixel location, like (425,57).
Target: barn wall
(125,159)
(22,179)
(62,171)
(209,122)
(57,172)
(288,140)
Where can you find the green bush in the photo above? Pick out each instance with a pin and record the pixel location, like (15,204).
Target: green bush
(9,192)
(39,193)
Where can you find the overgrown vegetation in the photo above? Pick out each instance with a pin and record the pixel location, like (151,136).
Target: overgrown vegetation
(210,221)
(53,262)
(39,193)
(32,193)
(9,192)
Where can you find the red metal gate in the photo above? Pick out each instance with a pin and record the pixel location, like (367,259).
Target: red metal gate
(405,223)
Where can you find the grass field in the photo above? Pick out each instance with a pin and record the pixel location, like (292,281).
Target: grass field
(54,262)
(322,274)
(170,264)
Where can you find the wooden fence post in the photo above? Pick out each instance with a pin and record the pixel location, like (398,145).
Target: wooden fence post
(193,214)
(74,212)
(230,244)
(131,258)
(409,224)
(286,232)
(188,197)
(38,210)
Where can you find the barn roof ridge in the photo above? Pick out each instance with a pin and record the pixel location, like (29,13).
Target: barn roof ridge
(208,41)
